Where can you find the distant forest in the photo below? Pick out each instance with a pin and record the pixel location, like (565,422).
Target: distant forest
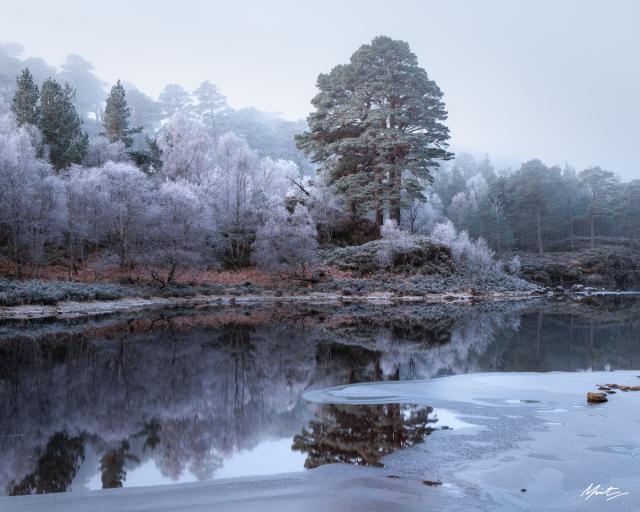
(267,133)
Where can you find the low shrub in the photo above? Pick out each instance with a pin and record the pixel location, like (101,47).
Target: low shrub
(16,293)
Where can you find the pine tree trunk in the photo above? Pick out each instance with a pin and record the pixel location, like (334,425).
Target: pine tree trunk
(571,235)
(539,231)
(394,207)
(379,216)
(377,200)
(592,231)
(538,337)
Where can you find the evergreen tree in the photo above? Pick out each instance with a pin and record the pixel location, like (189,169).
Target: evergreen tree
(378,127)
(25,100)
(145,111)
(148,160)
(116,117)
(531,196)
(60,125)
(571,200)
(628,210)
(211,108)
(89,89)
(599,186)
(174,99)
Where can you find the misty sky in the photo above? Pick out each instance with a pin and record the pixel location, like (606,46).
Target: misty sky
(558,80)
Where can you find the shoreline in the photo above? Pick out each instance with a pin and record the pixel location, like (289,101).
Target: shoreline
(75,309)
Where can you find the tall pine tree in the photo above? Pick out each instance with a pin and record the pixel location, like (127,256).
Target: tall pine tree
(60,126)
(599,186)
(378,127)
(116,117)
(211,108)
(25,100)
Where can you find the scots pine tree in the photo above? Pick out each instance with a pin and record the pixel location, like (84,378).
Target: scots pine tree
(378,128)
(25,100)
(211,108)
(116,117)
(60,125)
(174,99)
(599,186)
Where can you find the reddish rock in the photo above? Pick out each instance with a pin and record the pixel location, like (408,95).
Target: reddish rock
(596,398)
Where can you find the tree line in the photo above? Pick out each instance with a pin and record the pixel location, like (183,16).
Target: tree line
(186,200)
(536,207)
(183,182)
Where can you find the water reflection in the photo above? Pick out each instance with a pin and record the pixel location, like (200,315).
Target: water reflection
(55,468)
(187,394)
(361,434)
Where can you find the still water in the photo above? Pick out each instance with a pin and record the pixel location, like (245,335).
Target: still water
(186,395)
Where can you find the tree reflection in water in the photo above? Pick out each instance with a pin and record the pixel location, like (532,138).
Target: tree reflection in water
(186,390)
(55,469)
(112,465)
(362,434)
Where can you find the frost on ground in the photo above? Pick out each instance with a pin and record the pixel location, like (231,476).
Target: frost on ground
(328,488)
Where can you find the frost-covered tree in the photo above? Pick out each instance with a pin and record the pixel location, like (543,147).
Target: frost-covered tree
(89,207)
(60,125)
(324,205)
(378,127)
(25,100)
(100,151)
(236,168)
(32,201)
(233,196)
(173,99)
(421,216)
(186,149)
(286,242)
(110,205)
(273,179)
(476,254)
(177,235)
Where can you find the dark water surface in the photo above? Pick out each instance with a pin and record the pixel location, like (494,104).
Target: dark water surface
(178,396)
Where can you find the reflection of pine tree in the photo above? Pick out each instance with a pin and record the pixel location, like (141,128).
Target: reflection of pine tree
(151,434)
(112,465)
(241,364)
(361,434)
(55,469)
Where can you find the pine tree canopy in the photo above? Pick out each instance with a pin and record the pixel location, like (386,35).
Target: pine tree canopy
(60,125)
(25,100)
(116,117)
(378,127)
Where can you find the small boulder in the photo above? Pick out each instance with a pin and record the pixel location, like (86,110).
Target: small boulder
(596,398)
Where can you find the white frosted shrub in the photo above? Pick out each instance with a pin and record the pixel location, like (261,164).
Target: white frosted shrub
(475,253)
(514,265)
(286,243)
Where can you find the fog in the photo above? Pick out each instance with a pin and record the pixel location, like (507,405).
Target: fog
(541,79)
